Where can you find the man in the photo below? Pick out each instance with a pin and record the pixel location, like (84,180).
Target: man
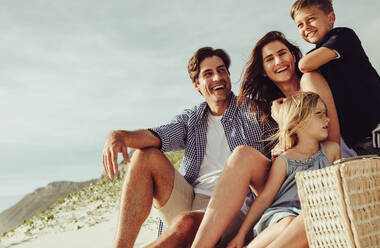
(208,133)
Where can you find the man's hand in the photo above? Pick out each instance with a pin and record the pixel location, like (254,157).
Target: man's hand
(276,104)
(114,144)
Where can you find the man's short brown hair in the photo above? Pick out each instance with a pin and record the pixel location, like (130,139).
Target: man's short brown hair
(205,52)
(324,5)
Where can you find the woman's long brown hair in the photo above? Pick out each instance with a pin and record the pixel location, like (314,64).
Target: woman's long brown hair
(260,90)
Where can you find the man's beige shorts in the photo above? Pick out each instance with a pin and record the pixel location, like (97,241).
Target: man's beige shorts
(183,199)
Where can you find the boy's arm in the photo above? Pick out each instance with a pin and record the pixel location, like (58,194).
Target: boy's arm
(276,177)
(316,59)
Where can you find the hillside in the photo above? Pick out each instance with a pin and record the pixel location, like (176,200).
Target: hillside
(89,204)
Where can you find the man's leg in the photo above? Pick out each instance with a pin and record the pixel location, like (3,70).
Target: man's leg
(181,233)
(246,166)
(150,178)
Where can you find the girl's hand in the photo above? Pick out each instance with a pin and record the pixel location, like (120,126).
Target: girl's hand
(237,242)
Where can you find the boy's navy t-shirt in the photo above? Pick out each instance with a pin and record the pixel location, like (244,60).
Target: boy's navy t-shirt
(354,83)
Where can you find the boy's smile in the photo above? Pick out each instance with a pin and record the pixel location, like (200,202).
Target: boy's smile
(313,24)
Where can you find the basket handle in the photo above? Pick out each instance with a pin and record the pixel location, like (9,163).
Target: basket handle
(342,160)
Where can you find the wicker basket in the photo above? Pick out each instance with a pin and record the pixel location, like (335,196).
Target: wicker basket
(341,203)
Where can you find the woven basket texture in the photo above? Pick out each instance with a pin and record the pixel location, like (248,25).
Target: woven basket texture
(341,203)
(361,187)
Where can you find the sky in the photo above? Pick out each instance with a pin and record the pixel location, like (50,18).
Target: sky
(73,70)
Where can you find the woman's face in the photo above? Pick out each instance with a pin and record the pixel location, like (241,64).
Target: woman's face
(278,62)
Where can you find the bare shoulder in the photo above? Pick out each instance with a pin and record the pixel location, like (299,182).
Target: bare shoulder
(332,150)
(278,168)
(279,161)
(279,164)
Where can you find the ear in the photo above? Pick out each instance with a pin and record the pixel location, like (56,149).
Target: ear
(196,86)
(265,74)
(331,18)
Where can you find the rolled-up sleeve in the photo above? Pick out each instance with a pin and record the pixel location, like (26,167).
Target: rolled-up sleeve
(173,135)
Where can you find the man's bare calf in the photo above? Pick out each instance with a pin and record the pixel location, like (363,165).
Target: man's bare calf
(149,179)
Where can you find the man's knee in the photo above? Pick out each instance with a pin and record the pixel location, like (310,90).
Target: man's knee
(188,223)
(147,159)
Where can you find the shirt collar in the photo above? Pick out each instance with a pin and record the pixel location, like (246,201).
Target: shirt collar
(327,36)
(227,115)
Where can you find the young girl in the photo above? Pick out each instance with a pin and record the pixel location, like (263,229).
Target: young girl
(303,127)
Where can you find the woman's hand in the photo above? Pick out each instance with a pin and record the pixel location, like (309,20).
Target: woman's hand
(276,104)
(277,150)
(237,242)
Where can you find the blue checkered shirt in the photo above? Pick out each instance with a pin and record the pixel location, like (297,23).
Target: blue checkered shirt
(188,132)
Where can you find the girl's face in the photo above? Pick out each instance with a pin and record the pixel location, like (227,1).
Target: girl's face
(278,62)
(317,126)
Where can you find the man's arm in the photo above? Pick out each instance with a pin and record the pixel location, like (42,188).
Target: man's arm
(119,141)
(316,59)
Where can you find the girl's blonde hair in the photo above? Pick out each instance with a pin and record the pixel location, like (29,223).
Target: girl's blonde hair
(294,111)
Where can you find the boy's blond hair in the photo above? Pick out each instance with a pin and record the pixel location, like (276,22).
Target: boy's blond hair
(324,5)
(295,111)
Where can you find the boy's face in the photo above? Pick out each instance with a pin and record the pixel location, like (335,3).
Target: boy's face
(313,24)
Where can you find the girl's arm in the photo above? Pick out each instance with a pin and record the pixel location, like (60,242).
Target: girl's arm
(276,177)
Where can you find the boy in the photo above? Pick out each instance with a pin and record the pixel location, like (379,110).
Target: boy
(341,59)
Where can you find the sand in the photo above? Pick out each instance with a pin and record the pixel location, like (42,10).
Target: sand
(101,235)
(87,218)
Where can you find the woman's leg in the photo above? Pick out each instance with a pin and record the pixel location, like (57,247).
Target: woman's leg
(315,82)
(246,166)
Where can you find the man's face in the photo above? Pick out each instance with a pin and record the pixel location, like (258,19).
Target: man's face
(313,24)
(214,80)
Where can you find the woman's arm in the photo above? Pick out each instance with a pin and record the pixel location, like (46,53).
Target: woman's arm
(315,82)
(276,177)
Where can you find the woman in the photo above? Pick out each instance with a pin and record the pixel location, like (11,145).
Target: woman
(271,74)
